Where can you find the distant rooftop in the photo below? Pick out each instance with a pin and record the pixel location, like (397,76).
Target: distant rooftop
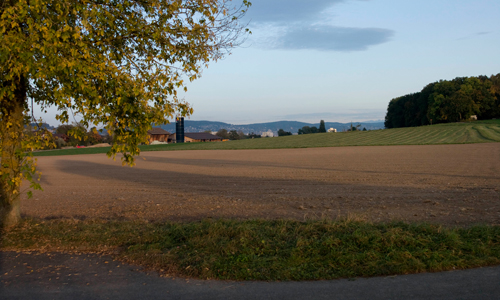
(158,130)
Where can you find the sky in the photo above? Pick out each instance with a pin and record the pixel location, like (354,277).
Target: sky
(343,60)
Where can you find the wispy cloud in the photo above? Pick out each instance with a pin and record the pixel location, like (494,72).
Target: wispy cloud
(330,38)
(287,10)
(299,25)
(345,115)
(474,35)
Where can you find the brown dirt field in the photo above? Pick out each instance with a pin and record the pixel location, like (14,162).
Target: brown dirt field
(446,184)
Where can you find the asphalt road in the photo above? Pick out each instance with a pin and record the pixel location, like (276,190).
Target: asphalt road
(89,276)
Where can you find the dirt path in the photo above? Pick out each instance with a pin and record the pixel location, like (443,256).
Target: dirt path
(447,184)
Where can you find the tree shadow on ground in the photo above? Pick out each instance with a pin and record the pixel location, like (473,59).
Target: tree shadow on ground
(215,163)
(267,196)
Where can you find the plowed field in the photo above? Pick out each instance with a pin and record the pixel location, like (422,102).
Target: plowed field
(447,184)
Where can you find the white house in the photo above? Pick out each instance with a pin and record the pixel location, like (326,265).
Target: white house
(332,130)
(269,133)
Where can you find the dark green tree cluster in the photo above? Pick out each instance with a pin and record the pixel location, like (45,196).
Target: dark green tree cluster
(314,129)
(235,135)
(253,136)
(281,132)
(447,101)
(308,130)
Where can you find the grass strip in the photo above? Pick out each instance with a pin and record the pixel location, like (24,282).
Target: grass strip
(268,250)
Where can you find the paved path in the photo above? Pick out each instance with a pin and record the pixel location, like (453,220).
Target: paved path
(89,276)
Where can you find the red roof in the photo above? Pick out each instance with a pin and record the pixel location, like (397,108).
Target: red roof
(158,130)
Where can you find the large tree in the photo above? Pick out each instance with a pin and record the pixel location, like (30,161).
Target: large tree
(113,62)
(223,133)
(233,135)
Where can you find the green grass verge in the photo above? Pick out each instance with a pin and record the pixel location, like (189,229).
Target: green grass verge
(268,250)
(453,133)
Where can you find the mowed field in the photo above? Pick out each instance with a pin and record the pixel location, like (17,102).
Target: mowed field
(445,184)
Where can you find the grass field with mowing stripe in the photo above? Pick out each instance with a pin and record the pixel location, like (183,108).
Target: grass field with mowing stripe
(268,250)
(454,133)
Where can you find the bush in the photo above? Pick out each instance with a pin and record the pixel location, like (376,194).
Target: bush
(281,132)
(60,143)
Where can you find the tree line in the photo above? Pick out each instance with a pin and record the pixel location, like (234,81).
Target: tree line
(447,101)
(77,135)
(314,129)
(66,135)
(234,135)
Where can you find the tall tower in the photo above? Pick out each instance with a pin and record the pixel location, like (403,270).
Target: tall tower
(179,130)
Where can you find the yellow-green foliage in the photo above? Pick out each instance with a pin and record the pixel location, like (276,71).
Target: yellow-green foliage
(113,62)
(21,165)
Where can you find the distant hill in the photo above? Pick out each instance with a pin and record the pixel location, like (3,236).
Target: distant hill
(292,126)
(258,128)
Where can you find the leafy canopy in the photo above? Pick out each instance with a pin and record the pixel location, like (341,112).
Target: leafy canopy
(114,62)
(447,101)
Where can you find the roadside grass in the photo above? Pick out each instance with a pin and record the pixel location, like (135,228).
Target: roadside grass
(452,133)
(267,250)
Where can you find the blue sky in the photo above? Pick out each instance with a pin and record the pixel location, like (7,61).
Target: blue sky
(344,60)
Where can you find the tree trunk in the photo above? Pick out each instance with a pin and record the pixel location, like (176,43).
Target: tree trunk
(11,135)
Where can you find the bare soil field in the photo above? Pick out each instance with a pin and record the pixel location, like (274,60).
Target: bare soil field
(445,184)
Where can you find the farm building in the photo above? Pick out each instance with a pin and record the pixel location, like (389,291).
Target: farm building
(269,133)
(332,130)
(158,134)
(191,137)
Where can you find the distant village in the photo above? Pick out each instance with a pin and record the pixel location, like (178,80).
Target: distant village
(63,136)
